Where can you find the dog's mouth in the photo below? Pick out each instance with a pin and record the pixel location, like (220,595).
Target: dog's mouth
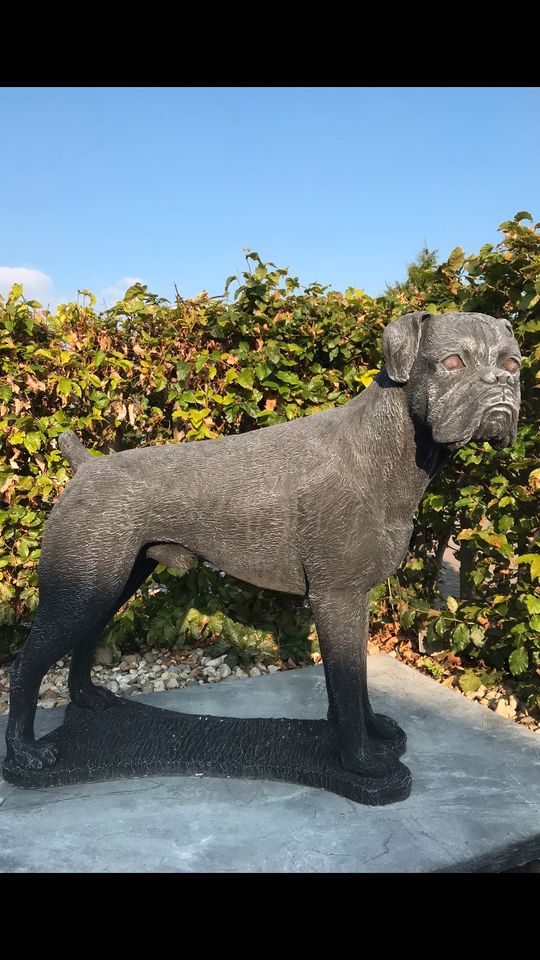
(495,427)
(456,444)
(496,424)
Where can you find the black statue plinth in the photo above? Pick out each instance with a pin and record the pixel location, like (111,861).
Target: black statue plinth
(136,740)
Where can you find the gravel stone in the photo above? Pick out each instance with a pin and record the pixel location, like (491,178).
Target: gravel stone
(216,662)
(504,709)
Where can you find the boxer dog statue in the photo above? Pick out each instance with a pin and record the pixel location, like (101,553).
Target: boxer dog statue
(321,506)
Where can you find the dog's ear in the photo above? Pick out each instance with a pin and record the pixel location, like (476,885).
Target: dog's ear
(400,342)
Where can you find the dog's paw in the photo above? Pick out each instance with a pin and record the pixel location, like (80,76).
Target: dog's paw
(31,755)
(370,761)
(384,728)
(92,697)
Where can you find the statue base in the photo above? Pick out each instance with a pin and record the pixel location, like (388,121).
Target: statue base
(135,740)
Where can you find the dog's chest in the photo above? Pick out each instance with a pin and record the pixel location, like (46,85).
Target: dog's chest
(374,550)
(392,543)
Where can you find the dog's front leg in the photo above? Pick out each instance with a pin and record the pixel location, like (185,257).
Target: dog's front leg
(341,618)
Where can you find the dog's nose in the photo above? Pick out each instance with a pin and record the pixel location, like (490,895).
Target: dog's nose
(495,375)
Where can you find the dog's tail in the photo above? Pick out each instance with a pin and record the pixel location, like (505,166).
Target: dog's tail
(73,450)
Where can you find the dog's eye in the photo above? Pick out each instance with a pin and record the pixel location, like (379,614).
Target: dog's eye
(453,362)
(511,365)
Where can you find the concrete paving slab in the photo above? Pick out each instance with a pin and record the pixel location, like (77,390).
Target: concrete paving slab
(474,804)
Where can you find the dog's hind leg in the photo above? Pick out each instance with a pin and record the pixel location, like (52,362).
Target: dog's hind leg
(46,643)
(60,623)
(81,689)
(79,590)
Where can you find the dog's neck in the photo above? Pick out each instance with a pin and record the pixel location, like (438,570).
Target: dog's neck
(407,450)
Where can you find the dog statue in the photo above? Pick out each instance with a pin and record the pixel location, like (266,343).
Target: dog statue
(321,506)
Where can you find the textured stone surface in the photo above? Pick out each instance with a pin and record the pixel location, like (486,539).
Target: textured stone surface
(474,804)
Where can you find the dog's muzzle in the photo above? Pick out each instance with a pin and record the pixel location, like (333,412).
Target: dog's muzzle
(497,424)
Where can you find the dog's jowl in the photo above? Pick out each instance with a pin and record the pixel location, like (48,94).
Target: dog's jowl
(322,506)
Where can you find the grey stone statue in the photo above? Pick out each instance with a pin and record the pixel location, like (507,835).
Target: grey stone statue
(321,506)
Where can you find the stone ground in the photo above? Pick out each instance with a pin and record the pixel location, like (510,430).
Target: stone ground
(474,805)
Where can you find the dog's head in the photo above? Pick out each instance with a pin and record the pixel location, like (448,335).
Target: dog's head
(461,372)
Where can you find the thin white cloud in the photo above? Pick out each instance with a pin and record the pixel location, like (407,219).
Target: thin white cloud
(36,284)
(116,291)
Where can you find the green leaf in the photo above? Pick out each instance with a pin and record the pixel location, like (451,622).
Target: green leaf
(407,619)
(136,290)
(506,523)
(534,560)
(518,660)
(456,259)
(440,626)
(523,215)
(532,603)
(469,681)
(460,637)
(91,297)
(63,387)
(32,442)
(292,378)
(200,362)
(16,291)
(245,378)
(273,353)
(182,370)
(478,636)
(451,604)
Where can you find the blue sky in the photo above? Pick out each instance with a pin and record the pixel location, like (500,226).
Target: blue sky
(100,186)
